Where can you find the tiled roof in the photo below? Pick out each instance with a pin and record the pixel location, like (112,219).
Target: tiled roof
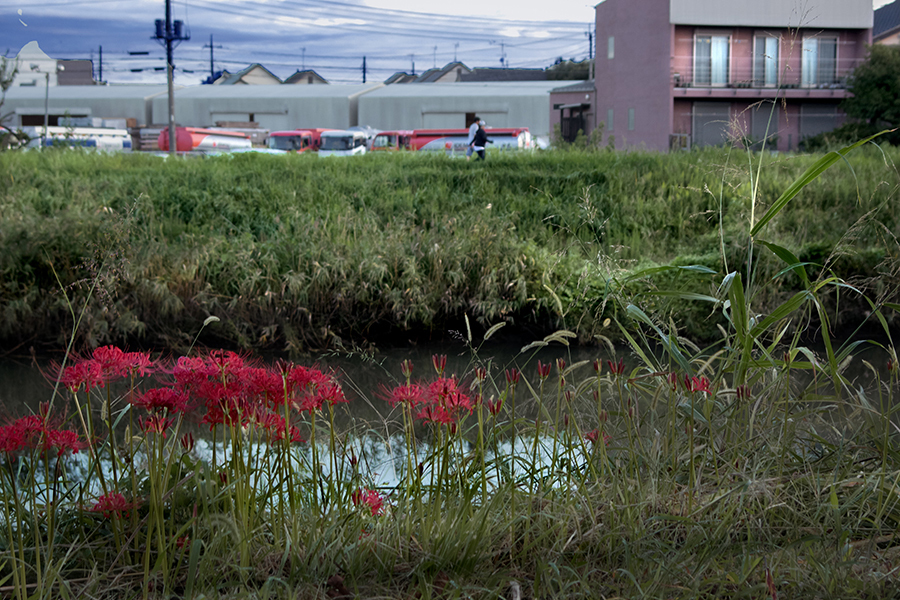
(887,19)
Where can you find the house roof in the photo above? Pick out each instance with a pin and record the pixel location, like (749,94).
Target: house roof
(237,78)
(492,74)
(581,86)
(302,75)
(887,20)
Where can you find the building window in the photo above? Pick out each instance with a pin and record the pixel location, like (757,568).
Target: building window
(630,119)
(819,62)
(765,61)
(711,59)
(609,119)
(610,47)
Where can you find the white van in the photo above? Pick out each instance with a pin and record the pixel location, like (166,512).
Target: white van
(342,143)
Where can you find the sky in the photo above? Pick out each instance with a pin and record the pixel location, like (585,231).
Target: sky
(330,36)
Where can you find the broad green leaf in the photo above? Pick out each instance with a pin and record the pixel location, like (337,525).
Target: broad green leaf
(666,268)
(787,256)
(811,174)
(684,296)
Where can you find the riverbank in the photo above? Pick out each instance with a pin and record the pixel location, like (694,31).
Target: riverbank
(296,253)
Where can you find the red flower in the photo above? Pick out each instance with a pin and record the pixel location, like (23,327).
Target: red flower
(700,384)
(112,505)
(617,368)
(543,370)
(593,436)
(494,407)
(62,441)
(112,362)
(406,367)
(369,498)
(412,394)
(440,363)
(138,363)
(85,374)
(512,376)
(159,399)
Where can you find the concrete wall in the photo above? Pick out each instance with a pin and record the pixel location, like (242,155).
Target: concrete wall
(108,102)
(838,14)
(638,76)
(427,105)
(274,107)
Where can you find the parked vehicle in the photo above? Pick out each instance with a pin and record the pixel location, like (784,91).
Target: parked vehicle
(455,141)
(94,138)
(297,140)
(342,143)
(198,139)
(393,140)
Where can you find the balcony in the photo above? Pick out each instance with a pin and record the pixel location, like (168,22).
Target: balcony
(742,82)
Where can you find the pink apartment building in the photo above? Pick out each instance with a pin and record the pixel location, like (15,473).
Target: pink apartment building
(679,73)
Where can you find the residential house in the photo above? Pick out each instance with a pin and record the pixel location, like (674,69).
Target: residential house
(307,77)
(255,74)
(573,109)
(680,73)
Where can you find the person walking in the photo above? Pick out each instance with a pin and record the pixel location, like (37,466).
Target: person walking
(472,129)
(480,141)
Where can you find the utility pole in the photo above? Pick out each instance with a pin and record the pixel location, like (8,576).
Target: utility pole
(101,64)
(212,72)
(412,57)
(590,37)
(169,33)
(364,69)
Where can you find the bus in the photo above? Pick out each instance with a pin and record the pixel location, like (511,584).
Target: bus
(391,141)
(297,140)
(342,143)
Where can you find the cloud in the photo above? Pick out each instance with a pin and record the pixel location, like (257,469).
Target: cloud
(510,32)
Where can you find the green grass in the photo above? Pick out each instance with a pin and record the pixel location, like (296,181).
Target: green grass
(295,252)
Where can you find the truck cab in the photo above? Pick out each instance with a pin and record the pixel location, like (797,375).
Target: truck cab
(342,143)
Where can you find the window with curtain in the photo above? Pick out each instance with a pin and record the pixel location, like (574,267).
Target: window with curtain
(819,63)
(711,58)
(765,61)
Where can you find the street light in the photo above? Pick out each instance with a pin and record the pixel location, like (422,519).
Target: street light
(59,69)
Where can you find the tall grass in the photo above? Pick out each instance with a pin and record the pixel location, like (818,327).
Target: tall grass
(296,253)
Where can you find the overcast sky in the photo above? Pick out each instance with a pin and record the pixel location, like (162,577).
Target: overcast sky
(330,36)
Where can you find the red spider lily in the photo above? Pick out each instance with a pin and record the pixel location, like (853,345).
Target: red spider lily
(439,361)
(187,441)
(512,376)
(266,385)
(14,438)
(85,374)
(370,498)
(412,394)
(112,505)
(329,393)
(445,393)
(183,542)
(598,366)
(617,368)
(700,384)
(155,424)
(224,406)
(190,373)
(161,399)
(543,370)
(560,365)
(743,392)
(138,363)
(480,374)
(494,407)
(406,367)
(63,441)
(593,436)
(890,365)
(112,363)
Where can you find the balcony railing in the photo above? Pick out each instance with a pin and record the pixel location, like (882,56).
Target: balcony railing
(745,78)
